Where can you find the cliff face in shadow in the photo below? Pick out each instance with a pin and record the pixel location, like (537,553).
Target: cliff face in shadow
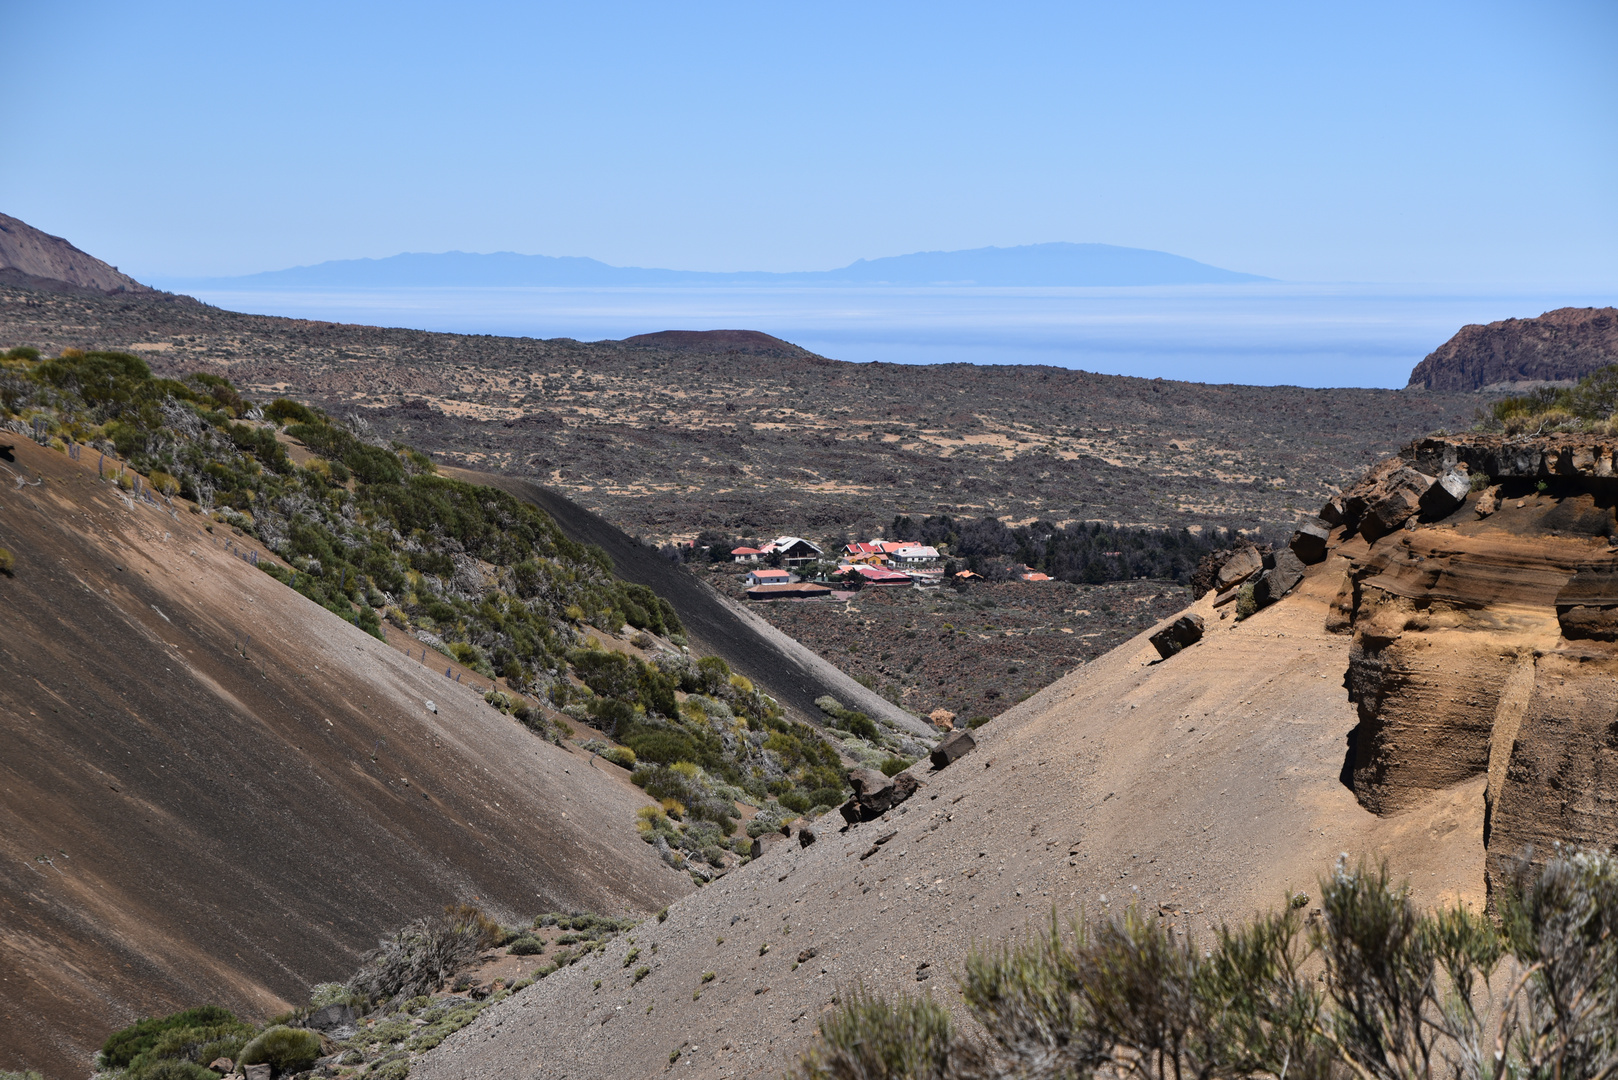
(1560,346)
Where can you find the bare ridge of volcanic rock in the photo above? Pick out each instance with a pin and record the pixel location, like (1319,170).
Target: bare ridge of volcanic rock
(729,342)
(27,253)
(213,790)
(1560,346)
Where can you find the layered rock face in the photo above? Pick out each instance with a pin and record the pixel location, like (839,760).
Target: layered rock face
(1559,346)
(1485,634)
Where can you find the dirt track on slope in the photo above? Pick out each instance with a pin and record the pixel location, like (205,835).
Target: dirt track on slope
(212,790)
(788,671)
(1209,782)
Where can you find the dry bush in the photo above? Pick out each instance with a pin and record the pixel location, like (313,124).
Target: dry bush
(1404,995)
(424,955)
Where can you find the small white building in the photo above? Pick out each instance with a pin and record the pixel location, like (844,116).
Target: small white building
(770,577)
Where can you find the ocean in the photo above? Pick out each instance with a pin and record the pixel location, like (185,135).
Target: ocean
(1260,334)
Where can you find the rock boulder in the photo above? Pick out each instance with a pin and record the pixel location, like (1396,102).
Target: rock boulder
(1309,541)
(1186,630)
(957,745)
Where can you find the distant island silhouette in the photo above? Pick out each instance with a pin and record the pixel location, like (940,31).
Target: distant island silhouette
(1055,264)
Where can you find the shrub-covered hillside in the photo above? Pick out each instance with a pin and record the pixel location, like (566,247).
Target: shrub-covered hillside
(371,532)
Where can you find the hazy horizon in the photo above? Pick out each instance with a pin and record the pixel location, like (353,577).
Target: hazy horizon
(1262,333)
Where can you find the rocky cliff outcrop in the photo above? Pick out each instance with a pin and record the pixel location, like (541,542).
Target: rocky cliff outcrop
(1484,622)
(28,253)
(1559,346)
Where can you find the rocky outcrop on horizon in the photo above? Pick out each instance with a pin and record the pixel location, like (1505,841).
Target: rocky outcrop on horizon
(28,253)
(1560,346)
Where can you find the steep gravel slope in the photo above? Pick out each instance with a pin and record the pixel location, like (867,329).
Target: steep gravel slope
(213,790)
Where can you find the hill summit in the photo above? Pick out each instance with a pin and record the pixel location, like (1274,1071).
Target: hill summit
(27,253)
(1560,346)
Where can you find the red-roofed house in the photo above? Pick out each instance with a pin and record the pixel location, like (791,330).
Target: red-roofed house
(770,577)
(876,575)
(744,554)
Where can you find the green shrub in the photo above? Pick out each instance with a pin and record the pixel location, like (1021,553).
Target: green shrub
(286,1049)
(123,1046)
(526,945)
(620,755)
(8,562)
(978,721)
(397,1069)
(893,766)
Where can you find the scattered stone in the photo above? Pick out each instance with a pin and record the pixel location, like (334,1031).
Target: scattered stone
(885,837)
(1392,501)
(1186,630)
(808,954)
(956,745)
(1333,513)
(432,708)
(258,1072)
(222,1065)
(1279,580)
(1309,542)
(1243,564)
(763,843)
(942,719)
(806,836)
(875,794)
(1488,502)
(1448,492)
(331,1018)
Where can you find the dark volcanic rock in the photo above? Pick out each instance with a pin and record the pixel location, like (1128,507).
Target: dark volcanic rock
(1279,580)
(875,794)
(1309,541)
(1186,630)
(1560,346)
(957,745)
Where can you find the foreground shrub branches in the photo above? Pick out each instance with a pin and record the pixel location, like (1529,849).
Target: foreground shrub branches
(1370,987)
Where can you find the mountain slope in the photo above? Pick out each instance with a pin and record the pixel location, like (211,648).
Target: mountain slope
(1558,346)
(1055,264)
(791,673)
(1208,783)
(28,253)
(213,789)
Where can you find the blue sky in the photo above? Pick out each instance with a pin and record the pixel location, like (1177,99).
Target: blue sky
(1459,143)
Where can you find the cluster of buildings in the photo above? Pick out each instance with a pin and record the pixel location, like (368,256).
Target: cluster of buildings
(874,562)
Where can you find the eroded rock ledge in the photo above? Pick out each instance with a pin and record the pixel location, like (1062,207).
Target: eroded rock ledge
(1480,584)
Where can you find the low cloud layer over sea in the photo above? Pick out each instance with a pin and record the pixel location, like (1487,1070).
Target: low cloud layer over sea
(1272,333)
